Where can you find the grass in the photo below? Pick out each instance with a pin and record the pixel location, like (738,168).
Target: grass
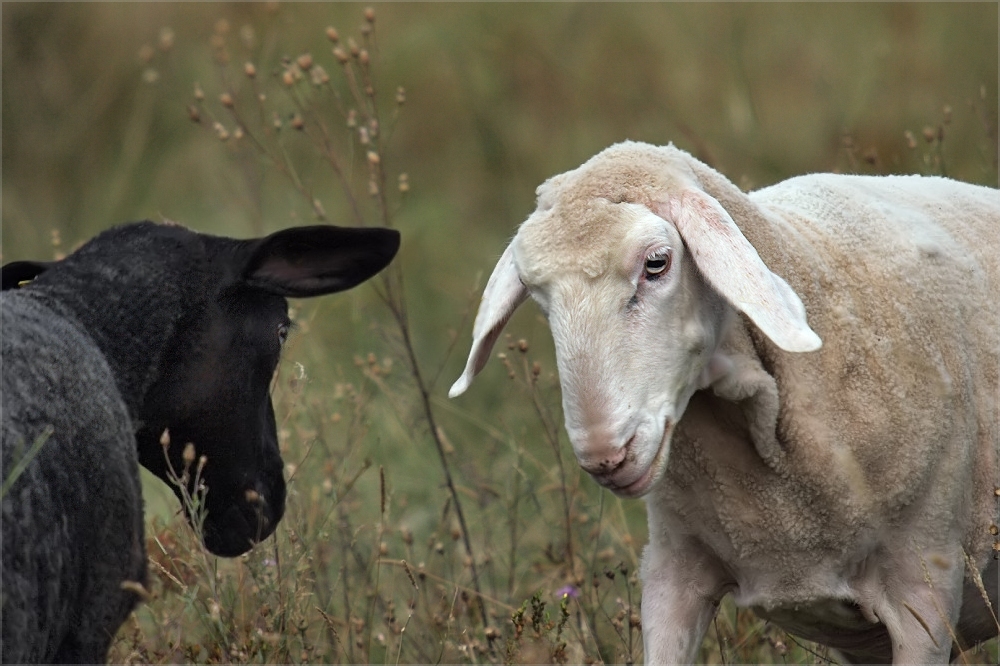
(418,529)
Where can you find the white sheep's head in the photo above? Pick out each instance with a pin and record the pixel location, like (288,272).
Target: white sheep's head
(637,270)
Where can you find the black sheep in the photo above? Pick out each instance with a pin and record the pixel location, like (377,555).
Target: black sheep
(145,328)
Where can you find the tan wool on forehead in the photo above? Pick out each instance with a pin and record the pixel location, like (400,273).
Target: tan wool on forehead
(576,224)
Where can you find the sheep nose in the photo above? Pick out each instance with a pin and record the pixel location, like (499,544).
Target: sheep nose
(601,460)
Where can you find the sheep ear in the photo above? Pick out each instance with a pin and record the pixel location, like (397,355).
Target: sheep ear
(503,293)
(310,261)
(17,272)
(732,266)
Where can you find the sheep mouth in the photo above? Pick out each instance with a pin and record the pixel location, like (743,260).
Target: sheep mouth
(642,485)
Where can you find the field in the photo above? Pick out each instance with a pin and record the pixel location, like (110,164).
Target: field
(421,529)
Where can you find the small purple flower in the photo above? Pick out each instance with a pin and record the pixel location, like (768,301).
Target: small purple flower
(568,591)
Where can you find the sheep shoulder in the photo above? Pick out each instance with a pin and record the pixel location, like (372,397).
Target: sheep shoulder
(59,394)
(885,435)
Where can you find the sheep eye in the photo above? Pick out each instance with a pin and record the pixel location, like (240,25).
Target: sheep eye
(282,334)
(658,263)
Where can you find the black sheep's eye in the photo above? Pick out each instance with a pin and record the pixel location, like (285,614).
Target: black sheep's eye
(657,264)
(282,334)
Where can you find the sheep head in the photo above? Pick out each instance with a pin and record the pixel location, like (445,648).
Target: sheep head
(637,270)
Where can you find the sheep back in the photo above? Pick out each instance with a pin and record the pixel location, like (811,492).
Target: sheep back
(72,521)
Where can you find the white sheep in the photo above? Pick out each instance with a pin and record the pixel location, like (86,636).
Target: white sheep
(837,487)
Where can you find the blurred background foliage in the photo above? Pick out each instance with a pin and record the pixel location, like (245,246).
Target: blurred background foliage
(498,97)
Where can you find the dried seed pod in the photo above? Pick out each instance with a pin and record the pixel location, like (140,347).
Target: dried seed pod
(297,122)
(250,70)
(340,55)
(304,61)
(166,39)
(370,14)
(226,99)
(193,113)
(332,35)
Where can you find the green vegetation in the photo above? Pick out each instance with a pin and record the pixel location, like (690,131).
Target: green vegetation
(411,516)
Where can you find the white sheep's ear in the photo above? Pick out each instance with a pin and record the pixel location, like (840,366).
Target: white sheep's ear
(732,266)
(503,293)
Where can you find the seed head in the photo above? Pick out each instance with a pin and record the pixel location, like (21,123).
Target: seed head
(340,55)
(353,47)
(252,496)
(363,136)
(199,94)
(288,78)
(994,530)
(370,14)
(226,99)
(304,61)
(363,57)
(522,345)
(297,122)
(331,34)
(373,158)
(928,134)
(400,96)
(165,438)
(166,39)
(188,455)
(250,70)
(947,114)
(404,183)
(911,141)
(193,113)
(383,549)
(277,121)
(318,75)
(221,131)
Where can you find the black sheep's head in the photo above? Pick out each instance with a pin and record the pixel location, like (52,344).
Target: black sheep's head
(192,326)
(214,388)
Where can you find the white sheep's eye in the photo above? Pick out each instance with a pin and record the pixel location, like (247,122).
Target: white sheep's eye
(657,264)
(282,334)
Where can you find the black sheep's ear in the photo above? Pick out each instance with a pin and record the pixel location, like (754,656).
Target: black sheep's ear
(17,272)
(310,261)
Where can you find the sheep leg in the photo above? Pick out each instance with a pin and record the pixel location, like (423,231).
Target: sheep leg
(921,608)
(679,598)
